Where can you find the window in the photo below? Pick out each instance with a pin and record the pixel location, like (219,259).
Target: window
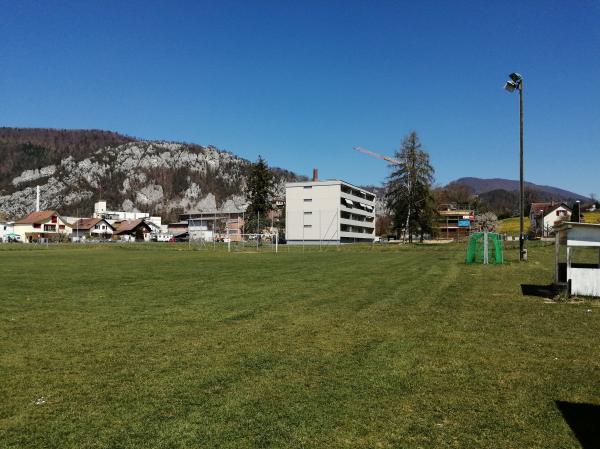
(308,200)
(308,226)
(306,212)
(308,187)
(37,226)
(50,228)
(54,218)
(61,227)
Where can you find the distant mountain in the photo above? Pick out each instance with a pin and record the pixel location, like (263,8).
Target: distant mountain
(480,186)
(75,168)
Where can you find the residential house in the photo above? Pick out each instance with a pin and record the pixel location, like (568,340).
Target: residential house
(544,216)
(133,230)
(213,223)
(158,232)
(96,228)
(45,224)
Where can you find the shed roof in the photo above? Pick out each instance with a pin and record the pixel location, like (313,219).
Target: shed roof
(579,234)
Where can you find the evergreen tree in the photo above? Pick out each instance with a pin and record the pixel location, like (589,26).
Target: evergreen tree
(408,190)
(260,185)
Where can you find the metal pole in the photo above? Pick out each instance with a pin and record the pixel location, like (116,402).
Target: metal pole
(485,247)
(521,182)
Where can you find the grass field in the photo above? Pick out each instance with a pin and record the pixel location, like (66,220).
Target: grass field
(591,217)
(511,225)
(405,347)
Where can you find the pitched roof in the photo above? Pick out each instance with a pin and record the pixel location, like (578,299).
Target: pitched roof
(37,217)
(129,226)
(89,223)
(546,208)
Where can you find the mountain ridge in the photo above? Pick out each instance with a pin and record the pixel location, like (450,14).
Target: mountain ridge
(485,185)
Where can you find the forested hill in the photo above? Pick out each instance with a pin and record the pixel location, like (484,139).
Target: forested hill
(481,185)
(31,148)
(75,168)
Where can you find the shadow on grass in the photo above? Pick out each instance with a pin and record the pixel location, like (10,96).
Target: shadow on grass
(584,420)
(545,291)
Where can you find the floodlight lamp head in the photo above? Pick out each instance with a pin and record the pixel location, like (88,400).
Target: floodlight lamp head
(510,86)
(515,77)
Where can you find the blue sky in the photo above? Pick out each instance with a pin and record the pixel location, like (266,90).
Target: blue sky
(301,83)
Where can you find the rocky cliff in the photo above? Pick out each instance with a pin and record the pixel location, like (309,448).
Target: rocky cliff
(163,178)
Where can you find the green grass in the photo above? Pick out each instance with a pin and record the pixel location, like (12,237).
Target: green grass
(142,346)
(511,225)
(591,217)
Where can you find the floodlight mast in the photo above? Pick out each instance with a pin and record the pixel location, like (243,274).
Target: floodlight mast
(516,82)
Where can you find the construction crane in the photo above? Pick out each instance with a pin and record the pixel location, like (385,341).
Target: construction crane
(391,160)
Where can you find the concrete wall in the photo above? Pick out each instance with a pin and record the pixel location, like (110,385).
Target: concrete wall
(312,212)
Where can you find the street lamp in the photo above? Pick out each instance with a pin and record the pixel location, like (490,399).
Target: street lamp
(516,83)
(578,211)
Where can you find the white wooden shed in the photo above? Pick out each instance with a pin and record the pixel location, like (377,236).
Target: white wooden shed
(580,275)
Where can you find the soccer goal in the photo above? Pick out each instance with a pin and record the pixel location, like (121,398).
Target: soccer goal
(485,247)
(253,243)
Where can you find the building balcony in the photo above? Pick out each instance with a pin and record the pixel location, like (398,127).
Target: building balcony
(350,222)
(358,194)
(356,211)
(356,235)
(358,199)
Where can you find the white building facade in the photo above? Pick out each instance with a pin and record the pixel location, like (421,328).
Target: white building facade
(6,231)
(328,212)
(544,216)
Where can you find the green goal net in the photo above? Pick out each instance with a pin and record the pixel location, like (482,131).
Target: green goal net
(485,247)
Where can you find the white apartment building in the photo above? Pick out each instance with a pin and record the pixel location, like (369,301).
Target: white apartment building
(328,212)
